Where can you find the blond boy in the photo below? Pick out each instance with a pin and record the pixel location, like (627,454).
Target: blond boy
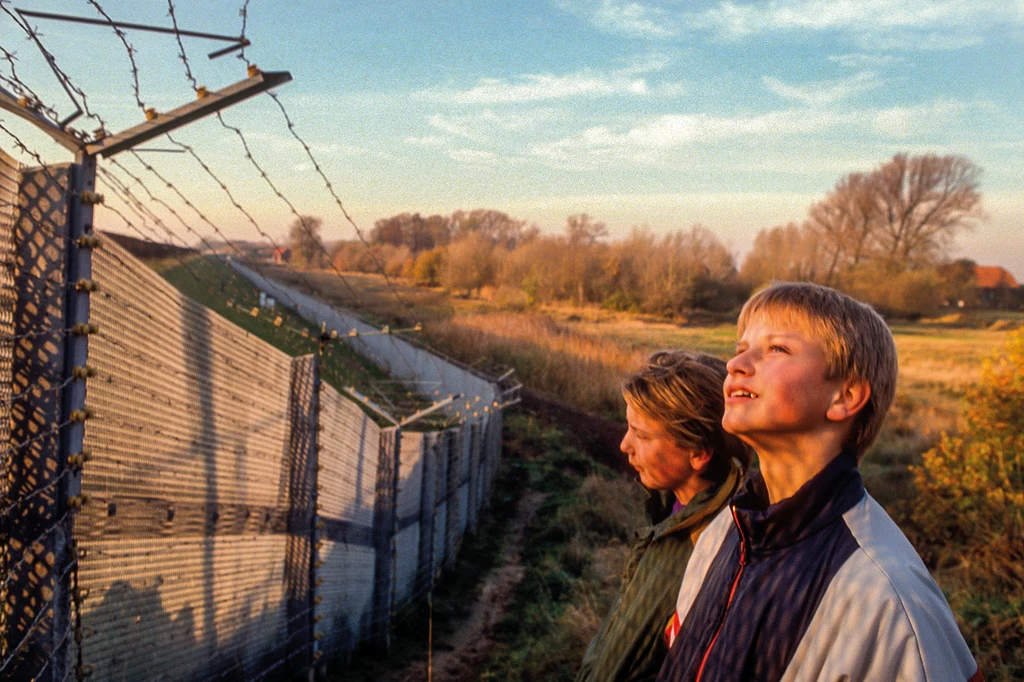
(804,576)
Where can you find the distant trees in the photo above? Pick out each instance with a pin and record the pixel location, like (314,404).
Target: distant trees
(306,244)
(880,235)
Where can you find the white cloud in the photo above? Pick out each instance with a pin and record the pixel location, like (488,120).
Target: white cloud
(426,141)
(541,87)
(472,156)
(654,140)
(878,24)
(634,18)
(823,92)
(484,125)
(454,126)
(863,60)
(672,131)
(912,121)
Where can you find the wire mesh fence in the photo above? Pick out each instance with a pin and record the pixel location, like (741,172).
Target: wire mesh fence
(237,518)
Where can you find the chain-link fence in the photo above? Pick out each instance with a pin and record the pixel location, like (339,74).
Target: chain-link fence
(237,518)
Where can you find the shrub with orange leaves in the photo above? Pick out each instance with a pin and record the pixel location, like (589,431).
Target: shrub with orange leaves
(968,518)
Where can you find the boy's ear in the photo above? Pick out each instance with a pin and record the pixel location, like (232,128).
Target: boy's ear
(699,460)
(851,399)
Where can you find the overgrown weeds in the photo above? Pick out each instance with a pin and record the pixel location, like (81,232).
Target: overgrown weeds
(968,518)
(574,558)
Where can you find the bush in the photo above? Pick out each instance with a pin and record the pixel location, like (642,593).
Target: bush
(968,519)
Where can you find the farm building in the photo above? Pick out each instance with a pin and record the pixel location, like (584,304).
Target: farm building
(997,288)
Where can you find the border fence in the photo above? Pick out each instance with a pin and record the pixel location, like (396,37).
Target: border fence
(233,517)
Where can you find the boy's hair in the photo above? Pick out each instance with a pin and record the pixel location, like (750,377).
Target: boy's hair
(683,392)
(855,338)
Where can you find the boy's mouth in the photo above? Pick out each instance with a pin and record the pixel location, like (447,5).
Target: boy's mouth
(741,393)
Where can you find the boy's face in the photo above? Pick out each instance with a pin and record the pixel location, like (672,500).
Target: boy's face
(776,384)
(661,463)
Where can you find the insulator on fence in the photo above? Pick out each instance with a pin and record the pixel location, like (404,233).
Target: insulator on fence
(320,525)
(318,582)
(201,92)
(278,321)
(319,545)
(82,414)
(253,71)
(85,328)
(255,312)
(317,599)
(91,198)
(317,655)
(83,372)
(353,333)
(99,133)
(87,285)
(80,594)
(78,459)
(386,329)
(317,563)
(318,617)
(418,327)
(88,241)
(151,114)
(83,671)
(318,636)
(79,501)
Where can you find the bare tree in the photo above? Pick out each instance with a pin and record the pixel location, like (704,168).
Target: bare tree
(788,252)
(305,241)
(923,202)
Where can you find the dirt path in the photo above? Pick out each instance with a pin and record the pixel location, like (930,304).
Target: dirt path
(458,658)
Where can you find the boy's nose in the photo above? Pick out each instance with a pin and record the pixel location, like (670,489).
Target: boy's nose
(626,444)
(739,364)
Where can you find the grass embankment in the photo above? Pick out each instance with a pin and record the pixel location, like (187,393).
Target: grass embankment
(574,557)
(580,356)
(210,282)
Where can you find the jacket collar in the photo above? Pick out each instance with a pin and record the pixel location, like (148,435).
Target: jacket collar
(700,508)
(819,502)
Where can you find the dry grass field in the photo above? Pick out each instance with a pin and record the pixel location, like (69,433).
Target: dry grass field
(579,355)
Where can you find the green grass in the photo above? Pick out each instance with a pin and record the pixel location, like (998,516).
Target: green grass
(213,284)
(572,560)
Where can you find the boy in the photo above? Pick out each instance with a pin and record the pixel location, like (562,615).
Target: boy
(804,576)
(690,467)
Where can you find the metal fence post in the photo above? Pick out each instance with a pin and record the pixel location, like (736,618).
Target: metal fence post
(300,553)
(384,531)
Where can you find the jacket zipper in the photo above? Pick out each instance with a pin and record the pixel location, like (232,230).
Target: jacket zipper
(732,593)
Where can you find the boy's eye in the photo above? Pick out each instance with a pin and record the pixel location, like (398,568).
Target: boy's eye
(777,349)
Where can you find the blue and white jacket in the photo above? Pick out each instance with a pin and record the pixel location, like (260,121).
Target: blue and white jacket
(821,586)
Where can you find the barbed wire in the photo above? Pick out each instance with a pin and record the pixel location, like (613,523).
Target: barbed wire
(244,13)
(195,209)
(129,48)
(300,220)
(181,46)
(337,200)
(58,72)
(21,88)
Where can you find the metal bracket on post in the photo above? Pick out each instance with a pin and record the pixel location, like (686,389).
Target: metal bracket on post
(71,441)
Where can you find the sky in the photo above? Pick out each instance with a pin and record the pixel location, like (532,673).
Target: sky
(659,113)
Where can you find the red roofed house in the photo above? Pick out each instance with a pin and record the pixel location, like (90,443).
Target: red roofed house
(996,286)
(281,255)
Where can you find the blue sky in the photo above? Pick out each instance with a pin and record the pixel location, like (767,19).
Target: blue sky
(735,115)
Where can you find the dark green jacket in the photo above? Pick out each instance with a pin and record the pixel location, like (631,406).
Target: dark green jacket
(630,644)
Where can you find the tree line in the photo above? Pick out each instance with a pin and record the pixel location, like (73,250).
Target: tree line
(884,236)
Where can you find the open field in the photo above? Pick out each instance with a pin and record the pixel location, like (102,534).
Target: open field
(579,355)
